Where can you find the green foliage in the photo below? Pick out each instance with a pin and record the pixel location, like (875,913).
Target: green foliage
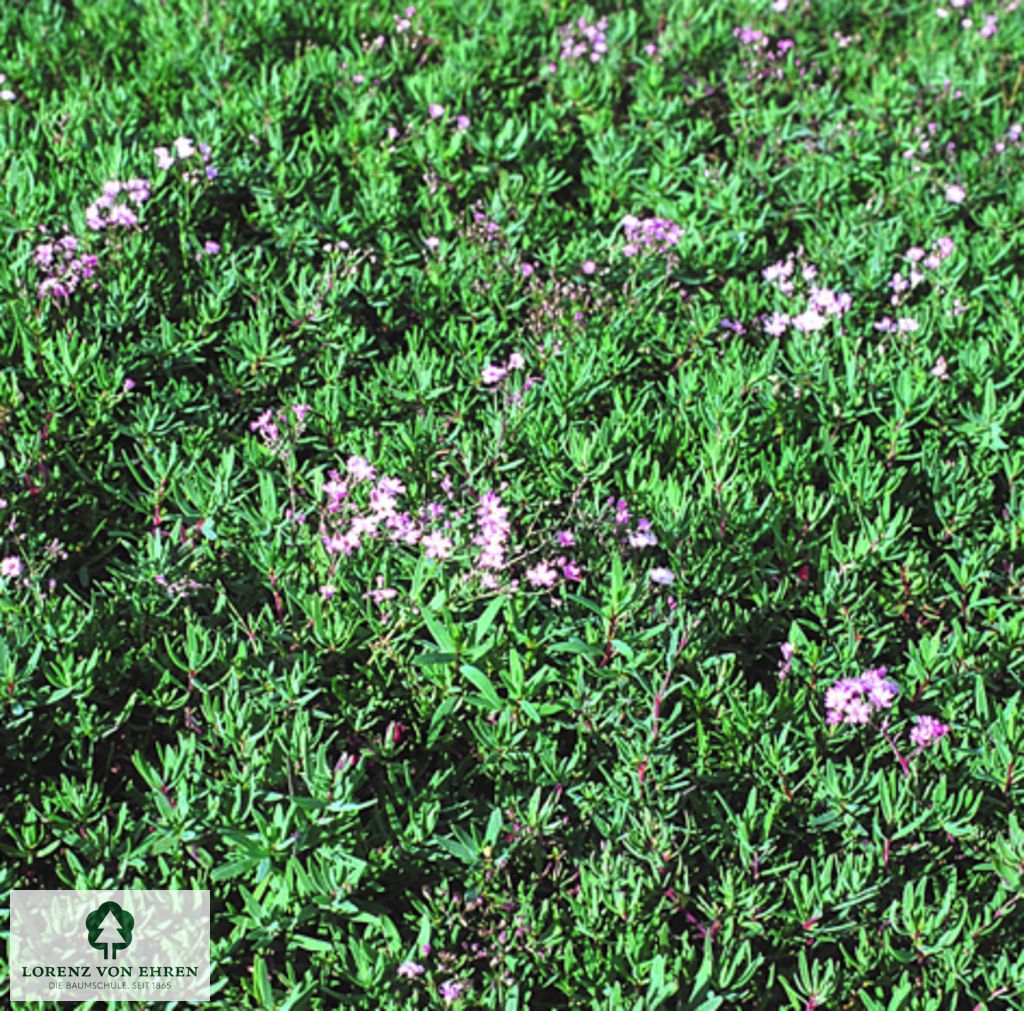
(611,793)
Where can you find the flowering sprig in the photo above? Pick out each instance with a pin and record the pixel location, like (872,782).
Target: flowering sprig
(267,425)
(927,730)
(657,234)
(822,303)
(107,211)
(582,39)
(856,700)
(185,150)
(64,266)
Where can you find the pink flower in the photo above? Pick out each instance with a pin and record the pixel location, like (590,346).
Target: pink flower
(382,504)
(570,570)
(432,242)
(927,731)
(437,545)
(542,574)
(852,700)
(211,248)
(492,374)
(300,411)
(164,160)
(663,577)
(955,194)
(363,526)
(451,990)
(11,567)
(435,111)
(880,692)
(336,491)
(462,122)
(123,216)
(809,321)
(621,511)
(939,368)
(787,649)
(857,711)
(588,267)
(184,147)
(378,596)
(410,970)
(515,361)
(340,544)
(642,537)
(266,427)
(566,538)
(776,324)
(360,469)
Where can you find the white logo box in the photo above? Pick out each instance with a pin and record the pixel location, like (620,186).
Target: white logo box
(138,945)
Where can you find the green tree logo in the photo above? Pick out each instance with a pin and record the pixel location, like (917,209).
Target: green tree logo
(110,927)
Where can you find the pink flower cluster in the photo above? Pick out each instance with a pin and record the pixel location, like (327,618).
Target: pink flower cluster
(493,374)
(484,227)
(655,233)
(11,567)
(185,150)
(435,528)
(581,39)
(493,530)
(899,285)
(822,303)
(1013,138)
(359,506)
(853,700)
(403,21)
(437,111)
(107,212)
(345,525)
(762,59)
(988,27)
(545,574)
(451,990)
(785,665)
(266,425)
(63,265)
(927,730)
(408,28)
(642,536)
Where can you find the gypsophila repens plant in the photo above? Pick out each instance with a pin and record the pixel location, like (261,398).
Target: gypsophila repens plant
(522,503)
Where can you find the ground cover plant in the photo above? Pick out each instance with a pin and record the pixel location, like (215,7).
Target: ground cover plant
(523,502)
